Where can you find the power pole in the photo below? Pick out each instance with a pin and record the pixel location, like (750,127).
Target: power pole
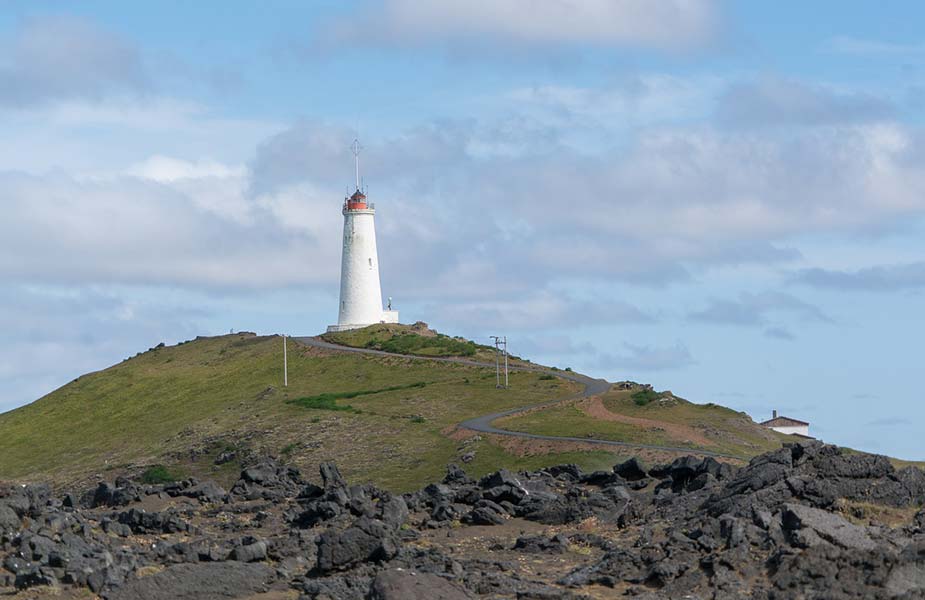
(500,347)
(505,363)
(285,364)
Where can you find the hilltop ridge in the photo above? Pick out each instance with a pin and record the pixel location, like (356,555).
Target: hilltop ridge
(212,405)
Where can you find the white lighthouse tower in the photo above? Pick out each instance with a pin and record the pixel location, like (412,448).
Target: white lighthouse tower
(360,291)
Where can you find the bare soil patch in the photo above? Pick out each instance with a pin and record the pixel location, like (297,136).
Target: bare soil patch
(594,407)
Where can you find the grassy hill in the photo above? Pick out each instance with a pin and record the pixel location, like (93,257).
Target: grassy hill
(382,419)
(206,406)
(647,417)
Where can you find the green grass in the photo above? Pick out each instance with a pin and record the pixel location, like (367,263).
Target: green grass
(159,474)
(405,339)
(227,392)
(288,449)
(328,400)
(440,345)
(570,421)
(323,402)
(643,397)
(220,394)
(728,431)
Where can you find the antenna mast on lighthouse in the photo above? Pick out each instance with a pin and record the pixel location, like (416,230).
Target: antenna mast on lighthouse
(355,147)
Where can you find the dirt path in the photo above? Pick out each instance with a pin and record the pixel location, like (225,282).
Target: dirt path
(594,407)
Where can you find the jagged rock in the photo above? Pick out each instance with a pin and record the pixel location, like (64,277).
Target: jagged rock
(25,500)
(207,491)
(331,477)
(485,512)
(199,581)
(498,478)
(505,493)
(601,478)
(366,540)
(393,511)
(251,552)
(631,470)
(339,587)
(263,474)
(570,472)
(538,544)
(400,584)
(826,526)
(9,520)
(456,476)
(268,480)
(771,530)
(140,521)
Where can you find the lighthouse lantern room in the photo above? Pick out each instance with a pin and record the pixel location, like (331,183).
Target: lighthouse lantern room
(360,290)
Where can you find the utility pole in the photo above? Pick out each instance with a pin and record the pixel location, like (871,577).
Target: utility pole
(285,364)
(505,363)
(500,347)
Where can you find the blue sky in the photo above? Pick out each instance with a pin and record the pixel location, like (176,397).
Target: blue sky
(723,199)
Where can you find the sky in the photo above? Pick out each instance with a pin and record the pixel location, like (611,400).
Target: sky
(724,199)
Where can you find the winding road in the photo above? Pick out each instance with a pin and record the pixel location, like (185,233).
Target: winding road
(483,424)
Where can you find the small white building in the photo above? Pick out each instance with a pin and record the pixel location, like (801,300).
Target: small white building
(360,291)
(787,425)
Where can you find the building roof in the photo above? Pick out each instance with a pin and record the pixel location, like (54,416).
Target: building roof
(783,422)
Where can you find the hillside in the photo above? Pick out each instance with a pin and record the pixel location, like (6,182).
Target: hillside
(187,406)
(208,406)
(646,417)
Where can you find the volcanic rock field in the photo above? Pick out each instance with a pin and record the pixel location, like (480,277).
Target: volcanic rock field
(807,521)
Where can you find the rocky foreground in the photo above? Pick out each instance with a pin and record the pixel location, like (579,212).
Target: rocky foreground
(807,521)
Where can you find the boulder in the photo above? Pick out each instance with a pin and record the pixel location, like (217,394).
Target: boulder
(331,477)
(456,476)
(393,511)
(485,512)
(9,520)
(825,526)
(631,470)
(202,581)
(367,540)
(263,474)
(569,472)
(253,552)
(502,477)
(401,584)
(140,521)
(540,544)
(208,492)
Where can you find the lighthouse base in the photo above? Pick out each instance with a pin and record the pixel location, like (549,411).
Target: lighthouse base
(388,316)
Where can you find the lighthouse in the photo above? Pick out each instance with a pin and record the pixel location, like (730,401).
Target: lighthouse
(360,290)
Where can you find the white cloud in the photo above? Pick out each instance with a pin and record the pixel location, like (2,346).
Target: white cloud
(531,310)
(62,57)
(665,24)
(880,278)
(754,309)
(130,230)
(165,169)
(635,101)
(773,102)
